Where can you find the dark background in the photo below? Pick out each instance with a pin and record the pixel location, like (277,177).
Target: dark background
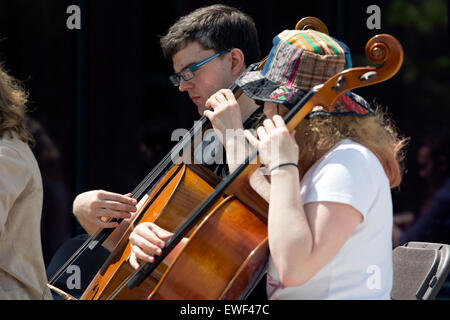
(104,100)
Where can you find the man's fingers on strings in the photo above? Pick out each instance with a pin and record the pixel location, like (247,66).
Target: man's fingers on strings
(208,114)
(228,94)
(220,97)
(161,233)
(150,242)
(110,213)
(104,224)
(141,255)
(117,206)
(133,261)
(111,196)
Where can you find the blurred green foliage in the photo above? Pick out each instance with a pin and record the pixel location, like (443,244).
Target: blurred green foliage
(423,26)
(423,17)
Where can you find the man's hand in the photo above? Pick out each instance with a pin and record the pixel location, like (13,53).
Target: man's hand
(225,114)
(147,240)
(95,208)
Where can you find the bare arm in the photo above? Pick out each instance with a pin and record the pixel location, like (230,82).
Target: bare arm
(259,183)
(304,238)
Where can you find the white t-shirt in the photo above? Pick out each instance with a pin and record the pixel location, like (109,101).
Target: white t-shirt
(362,269)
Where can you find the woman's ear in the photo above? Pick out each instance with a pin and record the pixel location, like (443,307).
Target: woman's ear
(237,62)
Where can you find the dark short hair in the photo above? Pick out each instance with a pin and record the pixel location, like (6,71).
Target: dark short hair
(216,27)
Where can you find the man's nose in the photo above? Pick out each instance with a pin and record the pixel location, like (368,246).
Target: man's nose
(184,85)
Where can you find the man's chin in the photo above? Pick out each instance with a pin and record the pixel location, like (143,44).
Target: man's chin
(201,108)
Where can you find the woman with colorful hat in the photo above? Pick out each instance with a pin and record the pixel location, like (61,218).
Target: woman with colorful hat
(330,207)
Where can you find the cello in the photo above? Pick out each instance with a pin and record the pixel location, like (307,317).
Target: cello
(158,179)
(226,233)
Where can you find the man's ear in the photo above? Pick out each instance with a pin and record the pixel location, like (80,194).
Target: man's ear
(237,62)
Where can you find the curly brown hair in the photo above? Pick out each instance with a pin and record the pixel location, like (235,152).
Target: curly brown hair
(317,135)
(13,99)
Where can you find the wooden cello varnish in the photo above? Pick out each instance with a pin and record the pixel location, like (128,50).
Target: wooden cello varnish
(169,208)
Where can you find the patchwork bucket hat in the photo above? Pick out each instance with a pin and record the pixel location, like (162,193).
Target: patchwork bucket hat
(298,61)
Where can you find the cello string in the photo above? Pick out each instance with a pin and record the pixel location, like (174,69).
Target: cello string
(187,138)
(122,285)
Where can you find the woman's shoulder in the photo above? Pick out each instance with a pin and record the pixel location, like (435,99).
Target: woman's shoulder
(349,159)
(12,146)
(11,138)
(348,144)
(350,150)
(17,159)
(9,142)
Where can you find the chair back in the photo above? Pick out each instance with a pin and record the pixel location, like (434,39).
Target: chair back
(420,270)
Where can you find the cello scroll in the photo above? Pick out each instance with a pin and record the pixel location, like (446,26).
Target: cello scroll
(311,23)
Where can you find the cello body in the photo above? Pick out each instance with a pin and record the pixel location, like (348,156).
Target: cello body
(222,257)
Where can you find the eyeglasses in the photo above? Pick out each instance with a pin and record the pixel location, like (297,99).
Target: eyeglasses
(188,73)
